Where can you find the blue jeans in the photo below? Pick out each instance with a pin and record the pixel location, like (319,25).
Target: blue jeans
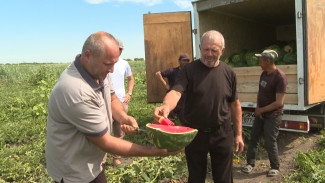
(269,127)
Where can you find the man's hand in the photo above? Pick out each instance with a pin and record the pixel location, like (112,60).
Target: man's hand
(239,144)
(259,112)
(160,111)
(170,102)
(127,98)
(129,124)
(165,152)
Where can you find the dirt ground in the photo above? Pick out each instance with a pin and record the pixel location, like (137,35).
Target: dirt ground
(288,144)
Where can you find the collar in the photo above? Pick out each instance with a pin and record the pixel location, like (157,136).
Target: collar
(86,76)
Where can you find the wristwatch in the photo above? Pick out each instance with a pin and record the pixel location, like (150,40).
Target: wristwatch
(130,94)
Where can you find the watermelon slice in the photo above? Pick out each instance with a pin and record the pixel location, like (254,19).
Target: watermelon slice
(170,137)
(165,121)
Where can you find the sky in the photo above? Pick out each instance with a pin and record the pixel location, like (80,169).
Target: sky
(53,31)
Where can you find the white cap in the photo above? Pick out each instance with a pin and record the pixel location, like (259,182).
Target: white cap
(120,43)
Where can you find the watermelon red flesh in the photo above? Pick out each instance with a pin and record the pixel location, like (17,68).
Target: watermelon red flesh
(174,129)
(170,137)
(165,121)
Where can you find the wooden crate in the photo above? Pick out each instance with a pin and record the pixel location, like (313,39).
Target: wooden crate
(248,81)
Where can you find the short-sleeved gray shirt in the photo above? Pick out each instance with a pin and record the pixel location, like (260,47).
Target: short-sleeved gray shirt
(78,107)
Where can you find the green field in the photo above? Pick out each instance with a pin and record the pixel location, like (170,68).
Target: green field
(24,91)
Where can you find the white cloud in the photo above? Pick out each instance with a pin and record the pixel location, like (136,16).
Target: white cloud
(145,2)
(96,1)
(184,4)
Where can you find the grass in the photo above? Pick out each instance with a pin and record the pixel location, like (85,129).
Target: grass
(24,91)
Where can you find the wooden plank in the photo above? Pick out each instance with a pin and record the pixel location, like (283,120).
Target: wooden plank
(253,88)
(249,97)
(287,69)
(163,18)
(166,36)
(292,78)
(248,78)
(316,50)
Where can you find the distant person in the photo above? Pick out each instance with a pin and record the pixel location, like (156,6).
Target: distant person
(211,100)
(269,110)
(171,75)
(121,69)
(81,109)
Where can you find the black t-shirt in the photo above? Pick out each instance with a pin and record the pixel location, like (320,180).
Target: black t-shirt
(171,75)
(209,92)
(269,85)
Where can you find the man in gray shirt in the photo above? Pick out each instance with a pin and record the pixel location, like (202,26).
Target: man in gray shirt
(81,109)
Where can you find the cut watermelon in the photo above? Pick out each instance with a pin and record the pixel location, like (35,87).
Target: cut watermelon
(170,137)
(165,121)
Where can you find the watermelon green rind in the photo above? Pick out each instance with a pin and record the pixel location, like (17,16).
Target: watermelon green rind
(168,140)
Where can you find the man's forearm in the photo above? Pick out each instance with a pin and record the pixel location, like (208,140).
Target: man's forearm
(161,79)
(171,99)
(130,84)
(119,146)
(274,105)
(118,112)
(236,116)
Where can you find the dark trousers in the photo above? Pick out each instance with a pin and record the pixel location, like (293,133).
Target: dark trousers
(219,144)
(99,179)
(269,127)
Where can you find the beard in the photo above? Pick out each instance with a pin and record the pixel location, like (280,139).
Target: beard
(211,63)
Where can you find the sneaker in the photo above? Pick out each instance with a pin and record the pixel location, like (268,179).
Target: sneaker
(273,173)
(247,169)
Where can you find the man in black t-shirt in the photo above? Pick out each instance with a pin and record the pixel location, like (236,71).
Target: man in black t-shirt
(211,100)
(270,101)
(171,75)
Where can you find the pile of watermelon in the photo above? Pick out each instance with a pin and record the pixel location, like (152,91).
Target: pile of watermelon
(287,54)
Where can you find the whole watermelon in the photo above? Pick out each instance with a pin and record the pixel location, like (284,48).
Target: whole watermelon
(241,64)
(251,59)
(236,59)
(290,58)
(280,63)
(281,54)
(273,47)
(287,48)
(224,59)
(170,137)
(239,60)
(293,44)
(231,64)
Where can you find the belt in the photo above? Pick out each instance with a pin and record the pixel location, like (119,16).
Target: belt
(208,130)
(212,129)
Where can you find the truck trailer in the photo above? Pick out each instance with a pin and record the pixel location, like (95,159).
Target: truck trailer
(255,24)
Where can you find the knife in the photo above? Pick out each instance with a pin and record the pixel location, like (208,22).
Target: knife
(139,130)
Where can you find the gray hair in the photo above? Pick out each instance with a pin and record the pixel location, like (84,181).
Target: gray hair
(94,43)
(272,60)
(213,35)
